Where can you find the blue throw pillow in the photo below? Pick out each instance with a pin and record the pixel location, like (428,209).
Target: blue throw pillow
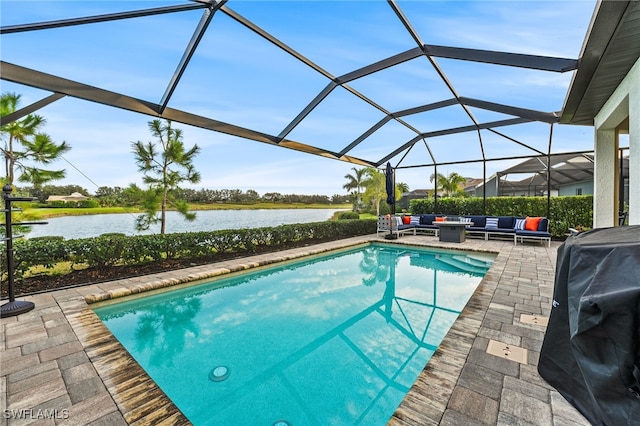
(492,222)
(520,223)
(544,225)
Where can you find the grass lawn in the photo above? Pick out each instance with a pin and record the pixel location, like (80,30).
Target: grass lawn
(368,216)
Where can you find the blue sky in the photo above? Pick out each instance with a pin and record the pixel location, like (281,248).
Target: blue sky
(237,77)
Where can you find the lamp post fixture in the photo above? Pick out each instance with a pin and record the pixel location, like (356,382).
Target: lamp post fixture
(13,307)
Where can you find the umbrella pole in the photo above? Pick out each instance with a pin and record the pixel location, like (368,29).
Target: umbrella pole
(393,206)
(393,213)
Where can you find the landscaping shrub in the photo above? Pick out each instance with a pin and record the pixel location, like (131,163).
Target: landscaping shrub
(88,204)
(564,212)
(348,215)
(116,249)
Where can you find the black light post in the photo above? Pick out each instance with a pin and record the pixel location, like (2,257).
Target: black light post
(13,307)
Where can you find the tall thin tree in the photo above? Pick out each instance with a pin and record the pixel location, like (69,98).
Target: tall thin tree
(26,146)
(165,165)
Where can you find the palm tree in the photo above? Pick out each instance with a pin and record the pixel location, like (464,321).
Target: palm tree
(355,183)
(375,186)
(37,147)
(401,188)
(454,187)
(440,179)
(451,185)
(161,170)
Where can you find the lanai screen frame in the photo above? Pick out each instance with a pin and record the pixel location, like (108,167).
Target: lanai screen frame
(61,87)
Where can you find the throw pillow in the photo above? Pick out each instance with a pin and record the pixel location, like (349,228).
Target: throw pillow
(398,220)
(492,222)
(465,219)
(531,223)
(406,220)
(520,223)
(415,220)
(441,219)
(543,225)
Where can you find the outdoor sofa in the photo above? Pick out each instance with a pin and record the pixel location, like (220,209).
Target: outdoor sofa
(399,225)
(518,228)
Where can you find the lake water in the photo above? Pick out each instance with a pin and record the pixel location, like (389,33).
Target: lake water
(71,227)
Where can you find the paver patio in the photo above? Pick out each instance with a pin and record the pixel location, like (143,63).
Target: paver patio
(60,365)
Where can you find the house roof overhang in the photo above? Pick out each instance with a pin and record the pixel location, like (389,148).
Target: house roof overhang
(610,49)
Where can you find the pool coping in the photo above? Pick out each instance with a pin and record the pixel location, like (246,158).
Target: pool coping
(63,338)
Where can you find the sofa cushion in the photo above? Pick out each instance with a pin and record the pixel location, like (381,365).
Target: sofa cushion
(506,222)
(500,230)
(427,219)
(478,221)
(525,233)
(532,223)
(421,226)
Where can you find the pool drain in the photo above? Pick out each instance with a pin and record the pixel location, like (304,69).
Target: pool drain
(219,373)
(282,423)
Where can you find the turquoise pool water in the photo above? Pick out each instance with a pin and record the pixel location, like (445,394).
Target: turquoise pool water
(333,340)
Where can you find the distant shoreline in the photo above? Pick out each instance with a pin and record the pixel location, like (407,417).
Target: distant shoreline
(46,213)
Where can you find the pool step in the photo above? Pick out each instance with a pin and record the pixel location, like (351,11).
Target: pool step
(458,262)
(475,261)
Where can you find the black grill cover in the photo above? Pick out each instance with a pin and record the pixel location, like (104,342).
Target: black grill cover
(591,348)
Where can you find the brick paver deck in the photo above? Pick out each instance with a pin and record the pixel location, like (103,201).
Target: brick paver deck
(60,365)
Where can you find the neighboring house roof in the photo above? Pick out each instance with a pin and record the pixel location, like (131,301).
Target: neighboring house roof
(416,193)
(566,169)
(472,183)
(75,196)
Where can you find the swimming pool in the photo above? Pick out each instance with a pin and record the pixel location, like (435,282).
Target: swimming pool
(335,339)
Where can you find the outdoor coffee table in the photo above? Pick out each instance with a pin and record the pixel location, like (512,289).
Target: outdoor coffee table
(452,231)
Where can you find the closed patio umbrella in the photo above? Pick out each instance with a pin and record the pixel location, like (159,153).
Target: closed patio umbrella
(391,197)
(391,188)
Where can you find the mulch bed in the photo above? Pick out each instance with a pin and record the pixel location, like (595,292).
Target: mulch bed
(43,283)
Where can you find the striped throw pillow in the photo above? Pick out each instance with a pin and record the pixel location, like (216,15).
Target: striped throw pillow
(492,222)
(465,219)
(520,223)
(415,220)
